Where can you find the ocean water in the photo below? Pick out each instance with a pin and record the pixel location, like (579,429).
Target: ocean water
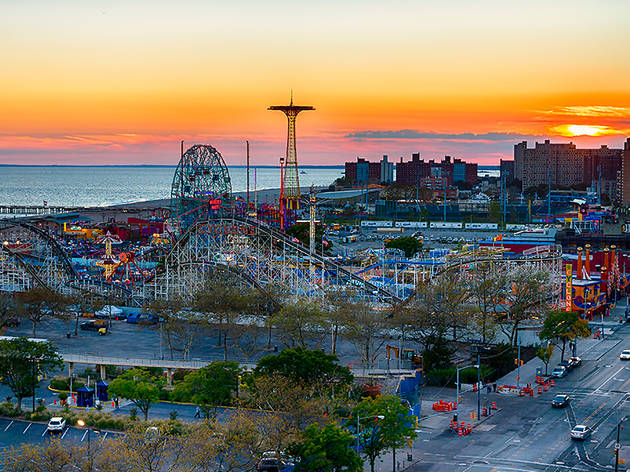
(109,185)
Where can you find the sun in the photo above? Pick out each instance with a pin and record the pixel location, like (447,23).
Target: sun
(586,130)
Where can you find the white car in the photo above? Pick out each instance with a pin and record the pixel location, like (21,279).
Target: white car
(56,424)
(580,431)
(625,355)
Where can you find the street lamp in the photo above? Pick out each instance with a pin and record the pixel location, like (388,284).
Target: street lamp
(356,436)
(617,444)
(89,456)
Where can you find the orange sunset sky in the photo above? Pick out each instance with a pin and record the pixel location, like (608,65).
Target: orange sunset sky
(121,82)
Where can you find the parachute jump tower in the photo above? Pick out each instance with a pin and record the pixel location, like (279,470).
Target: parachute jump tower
(290,178)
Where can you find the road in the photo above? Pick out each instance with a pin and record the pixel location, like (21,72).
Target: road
(527,434)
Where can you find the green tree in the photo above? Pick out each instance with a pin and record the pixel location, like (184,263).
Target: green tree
(22,361)
(376,435)
(210,386)
(325,450)
(301,232)
(564,326)
(302,365)
(408,244)
(544,354)
(139,386)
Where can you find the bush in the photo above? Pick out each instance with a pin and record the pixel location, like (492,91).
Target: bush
(62,396)
(8,409)
(448,377)
(41,414)
(165,395)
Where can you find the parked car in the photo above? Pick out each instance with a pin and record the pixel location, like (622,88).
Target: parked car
(625,355)
(580,431)
(271,461)
(56,424)
(560,401)
(575,361)
(93,325)
(134,318)
(559,372)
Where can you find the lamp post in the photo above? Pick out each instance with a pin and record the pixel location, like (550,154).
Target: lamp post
(618,444)
(89,455)
(356,436)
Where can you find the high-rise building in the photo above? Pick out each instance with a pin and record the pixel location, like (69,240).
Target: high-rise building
(507,170)
(623,188)
(563,164)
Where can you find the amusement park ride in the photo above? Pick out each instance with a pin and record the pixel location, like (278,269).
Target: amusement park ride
(213,229)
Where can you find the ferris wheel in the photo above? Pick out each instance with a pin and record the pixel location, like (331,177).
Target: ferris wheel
(201,187)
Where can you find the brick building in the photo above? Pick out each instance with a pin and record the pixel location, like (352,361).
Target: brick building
(411,172)
(565,165)
(365,172)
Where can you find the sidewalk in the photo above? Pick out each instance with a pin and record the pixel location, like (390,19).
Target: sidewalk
(587,349)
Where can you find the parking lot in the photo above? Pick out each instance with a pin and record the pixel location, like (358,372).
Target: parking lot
(16,432)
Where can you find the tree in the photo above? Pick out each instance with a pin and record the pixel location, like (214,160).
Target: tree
(139,386)
(84,302)
(178,325)
(408,244)
(22,361)
(563,326)
(365,328)
(529,295)
(376,435)
(299,323)
(50,457)
(39,302)
(325,450)
(210,386)
(301,232)
(438,307)
(487,289)
(304,365)
(9,309)
(300,403)
(222,301)
(544,354)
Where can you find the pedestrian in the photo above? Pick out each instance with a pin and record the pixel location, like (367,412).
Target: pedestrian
(116,401)
(494,386)
(197,412)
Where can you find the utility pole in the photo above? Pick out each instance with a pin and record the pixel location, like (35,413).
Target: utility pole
(478,385)
(617,447)
(518,361)
(311,232)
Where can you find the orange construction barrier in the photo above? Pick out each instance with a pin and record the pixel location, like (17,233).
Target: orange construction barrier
(539,390)
(545,387)
(552,383)
(493,406)
(454,405)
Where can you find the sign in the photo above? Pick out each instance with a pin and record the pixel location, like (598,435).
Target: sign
(569,286)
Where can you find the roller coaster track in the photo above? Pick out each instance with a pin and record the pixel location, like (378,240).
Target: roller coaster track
(304,251)
(260,255)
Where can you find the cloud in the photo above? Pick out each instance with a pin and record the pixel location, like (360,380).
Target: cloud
(413,134)
(590,110)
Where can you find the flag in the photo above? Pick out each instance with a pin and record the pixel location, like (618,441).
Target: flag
(497,238)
